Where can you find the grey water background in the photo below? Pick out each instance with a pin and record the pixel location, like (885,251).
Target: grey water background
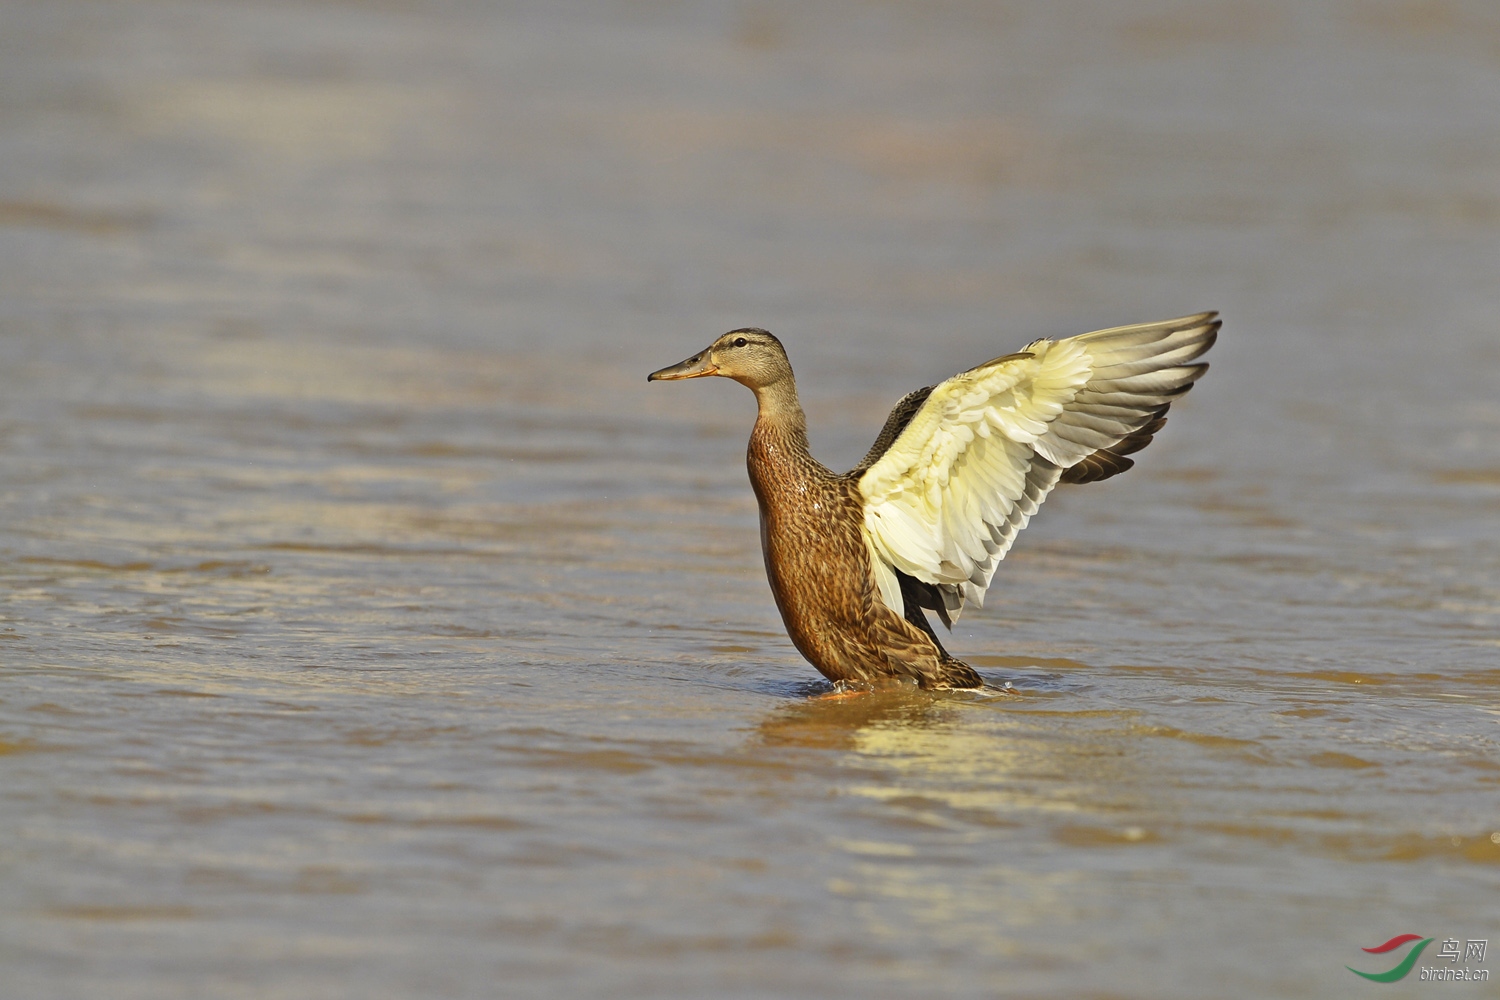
(369,627)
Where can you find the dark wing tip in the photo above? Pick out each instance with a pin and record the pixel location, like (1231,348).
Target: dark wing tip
(1099,465)
(1107,462)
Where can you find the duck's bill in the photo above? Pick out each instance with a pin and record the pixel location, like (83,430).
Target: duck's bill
(694,367)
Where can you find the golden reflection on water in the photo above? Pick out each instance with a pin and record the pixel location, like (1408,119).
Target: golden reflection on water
(826,722)
(977,755)
(949,782)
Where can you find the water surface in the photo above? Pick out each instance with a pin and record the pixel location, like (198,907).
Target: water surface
(369,627)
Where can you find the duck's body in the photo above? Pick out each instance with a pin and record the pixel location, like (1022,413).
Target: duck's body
(958,469)
(820,570)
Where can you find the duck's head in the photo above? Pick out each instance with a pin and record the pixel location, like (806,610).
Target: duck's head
(750,356)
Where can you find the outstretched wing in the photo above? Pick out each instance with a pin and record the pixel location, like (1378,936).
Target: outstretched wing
(944,501)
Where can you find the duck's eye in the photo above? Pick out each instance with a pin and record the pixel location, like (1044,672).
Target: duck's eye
(740,341)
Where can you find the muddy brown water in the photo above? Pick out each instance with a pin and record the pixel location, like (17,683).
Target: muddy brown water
(369,627)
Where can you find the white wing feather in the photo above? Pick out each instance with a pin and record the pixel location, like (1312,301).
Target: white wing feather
(945,501)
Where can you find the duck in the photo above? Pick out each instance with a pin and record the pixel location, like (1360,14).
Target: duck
(856,559)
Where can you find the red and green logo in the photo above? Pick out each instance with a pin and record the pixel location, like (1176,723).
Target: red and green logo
(1402,967)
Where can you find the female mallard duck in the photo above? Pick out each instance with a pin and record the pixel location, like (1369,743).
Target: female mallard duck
(959,468)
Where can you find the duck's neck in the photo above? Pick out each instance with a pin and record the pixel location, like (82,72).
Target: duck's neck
(782,469)
(781,414)
(782,425)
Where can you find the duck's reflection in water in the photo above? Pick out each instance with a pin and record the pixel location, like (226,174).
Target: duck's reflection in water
(835,722)
(990,758)
(967,819)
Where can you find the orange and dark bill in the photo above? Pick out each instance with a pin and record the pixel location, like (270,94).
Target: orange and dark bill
(694,367)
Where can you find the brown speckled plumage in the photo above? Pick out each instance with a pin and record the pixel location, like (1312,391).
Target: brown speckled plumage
(819,569)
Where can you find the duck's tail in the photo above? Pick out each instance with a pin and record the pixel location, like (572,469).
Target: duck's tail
(954,674)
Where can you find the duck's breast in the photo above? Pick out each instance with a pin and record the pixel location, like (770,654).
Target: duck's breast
(816,560)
